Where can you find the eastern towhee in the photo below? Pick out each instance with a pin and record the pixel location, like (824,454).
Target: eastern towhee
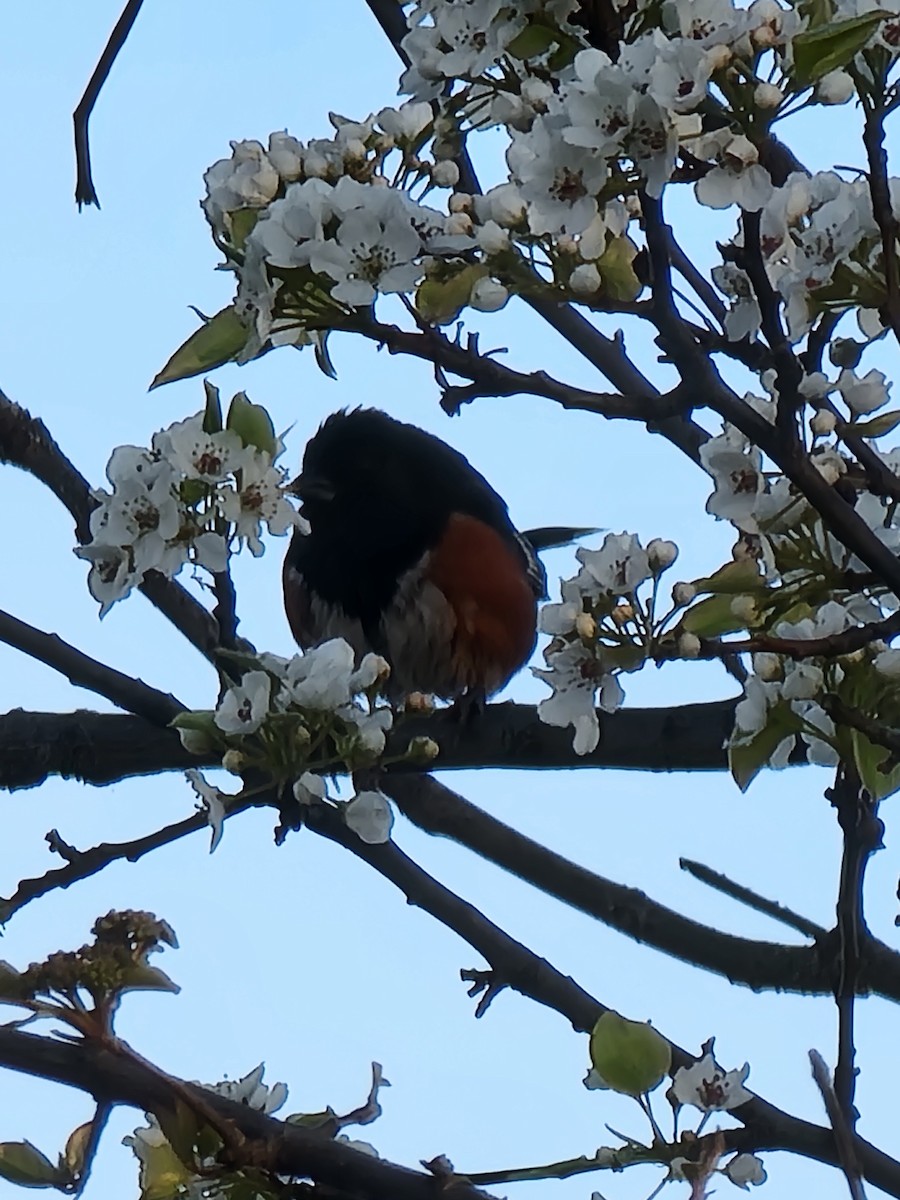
(411,553)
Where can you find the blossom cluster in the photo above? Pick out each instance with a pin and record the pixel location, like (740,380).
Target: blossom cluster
(317,230)
(293,719)
(195,494)
(792,581)
(604,626)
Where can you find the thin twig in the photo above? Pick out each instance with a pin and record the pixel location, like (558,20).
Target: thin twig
(132,695)
(751,899)
(844,1139)
(759,964)
(862,834)
(89,862)
(493,378)
(882,205)
(828,646)
(85,193)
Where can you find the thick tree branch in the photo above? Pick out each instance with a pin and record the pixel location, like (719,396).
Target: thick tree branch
(757,964)
(286,1149)
(514,965)
(101,748)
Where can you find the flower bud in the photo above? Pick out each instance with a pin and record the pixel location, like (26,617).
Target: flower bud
(233,761)
(683,593)
(689,645)
(445,174)
(586,626)
(661,554)
(768,667)
(823,423)
(585,280)
(424,749)
(488,295)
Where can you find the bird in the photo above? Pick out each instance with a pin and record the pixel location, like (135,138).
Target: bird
(410,553)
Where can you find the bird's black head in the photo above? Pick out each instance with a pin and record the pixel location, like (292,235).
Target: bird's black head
(378,494)
(363,464)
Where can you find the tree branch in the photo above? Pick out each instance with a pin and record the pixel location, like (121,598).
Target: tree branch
(287,1149)
(862,835)
(514,965)
(102,748)
(761,965)
(492,378)
(744,895)
(85,192)
(132,695)
(837,514)
(882,207)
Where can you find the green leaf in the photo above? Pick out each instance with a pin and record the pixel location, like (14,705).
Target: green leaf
(869,760)
(316,1120)
(711,617)
(22,1163)
(242,222)
(441,301)
(73,1157)
(732,579)
(163,1175)
(534,40)
(323,358)
(219,340)
(212,415)
(617,277)
(251,423)
(630,1056)
(877,426)
(143,978)
(831,46)
(746,759)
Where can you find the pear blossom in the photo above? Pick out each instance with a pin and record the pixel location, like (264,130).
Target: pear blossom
(706,1086)
(863,395)
(244,706)
(213,801)
(320,678)
(744,1170)
(619,566)
(370,816)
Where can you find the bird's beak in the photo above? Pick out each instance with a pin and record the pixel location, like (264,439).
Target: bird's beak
(308,487)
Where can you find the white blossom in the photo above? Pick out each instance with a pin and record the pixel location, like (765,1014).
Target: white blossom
(707,1087)
(245,706)
(744,1170)
(863,395)
(619,566)
(213,801)
(370,816)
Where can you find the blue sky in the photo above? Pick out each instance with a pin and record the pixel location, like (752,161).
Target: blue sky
(300,956)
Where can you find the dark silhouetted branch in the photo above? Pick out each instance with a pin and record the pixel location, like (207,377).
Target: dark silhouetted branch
(132,695)
(744,895)
(285,1149)
(85,193)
